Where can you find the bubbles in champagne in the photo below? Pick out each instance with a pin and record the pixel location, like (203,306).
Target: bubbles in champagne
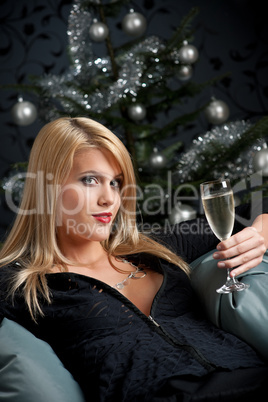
(219,211)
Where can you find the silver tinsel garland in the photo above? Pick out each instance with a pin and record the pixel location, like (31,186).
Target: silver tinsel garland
(13,185)
(85,69)
(225,135)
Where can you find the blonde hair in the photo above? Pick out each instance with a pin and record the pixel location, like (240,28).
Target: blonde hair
(32,241)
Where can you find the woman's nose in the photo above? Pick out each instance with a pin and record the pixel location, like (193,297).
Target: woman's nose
(107,196)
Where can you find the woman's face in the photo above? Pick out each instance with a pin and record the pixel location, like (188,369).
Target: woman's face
(90,198)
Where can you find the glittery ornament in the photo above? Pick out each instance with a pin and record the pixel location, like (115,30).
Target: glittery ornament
(225,136)
(188,54)
(182,212)
(184,72)
(157,159)
(260,160)
(24,113)
(217,112)
(136,112)
(13,185)
(134,24)
(98,31)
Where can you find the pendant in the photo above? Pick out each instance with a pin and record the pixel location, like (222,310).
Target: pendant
(138,274)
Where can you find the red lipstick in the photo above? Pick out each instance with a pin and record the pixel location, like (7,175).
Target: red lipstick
(104,217)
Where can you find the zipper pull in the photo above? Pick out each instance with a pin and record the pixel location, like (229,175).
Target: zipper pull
(151,319)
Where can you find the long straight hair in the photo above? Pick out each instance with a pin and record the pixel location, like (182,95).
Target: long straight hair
(32,241)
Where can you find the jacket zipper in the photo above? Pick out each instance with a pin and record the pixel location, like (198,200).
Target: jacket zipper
(160,330)
(189,348)
(155,323)
(171,339)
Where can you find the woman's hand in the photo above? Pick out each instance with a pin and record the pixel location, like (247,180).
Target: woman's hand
(245,249)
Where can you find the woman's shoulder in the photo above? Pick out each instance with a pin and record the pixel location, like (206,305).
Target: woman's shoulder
(174,234)
(7,275)
(9,269)
(188,239)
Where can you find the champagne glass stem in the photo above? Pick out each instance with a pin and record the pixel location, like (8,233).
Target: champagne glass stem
(229,279)
(231,284)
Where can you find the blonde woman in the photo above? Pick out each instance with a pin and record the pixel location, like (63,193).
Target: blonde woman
(116,305)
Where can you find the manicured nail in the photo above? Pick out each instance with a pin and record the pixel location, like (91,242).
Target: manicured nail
(221,264)
(216,256)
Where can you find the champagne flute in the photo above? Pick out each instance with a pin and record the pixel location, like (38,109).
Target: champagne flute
(218,202)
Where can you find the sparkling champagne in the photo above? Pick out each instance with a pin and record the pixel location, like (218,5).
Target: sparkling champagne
(219,211)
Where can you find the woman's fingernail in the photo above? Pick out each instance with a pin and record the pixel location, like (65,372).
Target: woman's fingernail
(218,247)
(216,255)
(221,264)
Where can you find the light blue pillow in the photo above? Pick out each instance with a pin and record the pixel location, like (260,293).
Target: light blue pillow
(244,314)
(30,371)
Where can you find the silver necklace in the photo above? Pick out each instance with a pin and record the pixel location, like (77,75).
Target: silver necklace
(139,273)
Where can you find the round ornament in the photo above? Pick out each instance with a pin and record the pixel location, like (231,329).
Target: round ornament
(136,112)
(260,161)
(23,113)
(134,24)
(98,31)
(188,54)
(13,185)
(182,212)
(157,160)
(185,72)
(217,112)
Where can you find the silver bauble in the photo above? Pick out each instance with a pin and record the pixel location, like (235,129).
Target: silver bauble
(98,31)
(157,160)
(136,112)
(24,113)
(134,24)
(184,72)
(217,112)
(182,212)
(188,54)
(260,161)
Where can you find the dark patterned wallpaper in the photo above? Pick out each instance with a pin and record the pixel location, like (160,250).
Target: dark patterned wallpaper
(231,36)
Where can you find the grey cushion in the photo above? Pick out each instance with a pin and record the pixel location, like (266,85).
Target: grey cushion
(30,371)
(244,314)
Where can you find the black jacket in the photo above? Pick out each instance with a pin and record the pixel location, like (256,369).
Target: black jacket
(117,353)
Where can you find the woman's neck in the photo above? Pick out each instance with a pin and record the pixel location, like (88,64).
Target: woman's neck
(83,252)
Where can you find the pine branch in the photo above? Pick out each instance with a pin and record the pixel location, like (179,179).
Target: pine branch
(112,8)
(108,42)
(181,32)
(23,88)
(227,153)
(168,97)
(179,121)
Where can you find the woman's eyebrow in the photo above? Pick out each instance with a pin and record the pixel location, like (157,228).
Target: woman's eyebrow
(119,175)
(100,174)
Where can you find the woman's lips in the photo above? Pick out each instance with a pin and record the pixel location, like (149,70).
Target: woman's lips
(104,217)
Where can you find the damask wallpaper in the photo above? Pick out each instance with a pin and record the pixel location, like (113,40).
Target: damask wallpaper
(231,36)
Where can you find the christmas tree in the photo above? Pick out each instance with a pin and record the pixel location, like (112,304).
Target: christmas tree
(128,87)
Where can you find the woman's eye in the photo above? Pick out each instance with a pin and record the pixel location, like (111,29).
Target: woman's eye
(116,183)
(89,180)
